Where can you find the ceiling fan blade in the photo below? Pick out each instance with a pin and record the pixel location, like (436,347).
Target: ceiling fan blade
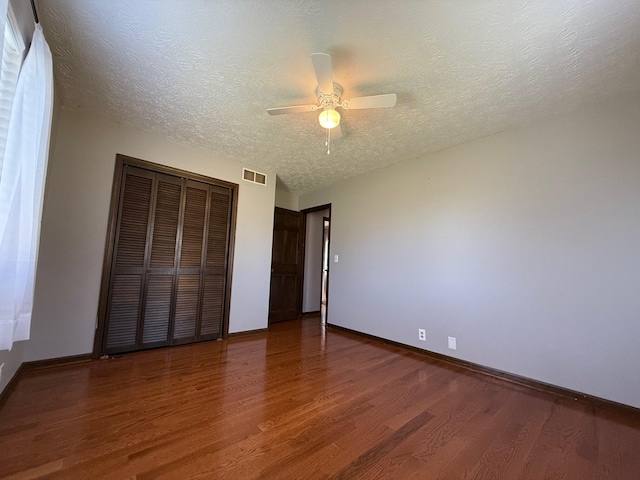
(324,72)
(294,109)
(374,101)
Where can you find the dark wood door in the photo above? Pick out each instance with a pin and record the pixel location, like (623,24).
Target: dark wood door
(286,266)
(159,285)
(128,272)
(216,263)
(202,264)
(190,264)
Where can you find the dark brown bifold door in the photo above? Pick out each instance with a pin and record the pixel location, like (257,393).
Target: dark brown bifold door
(127,271)
(286,266)
(141,287)
(203,263)
(169,264)
(158,294)
(216,263)
(189,272)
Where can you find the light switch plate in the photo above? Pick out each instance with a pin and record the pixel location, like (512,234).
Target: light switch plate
(335,259)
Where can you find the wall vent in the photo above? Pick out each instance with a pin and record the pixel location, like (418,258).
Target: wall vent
(254,177)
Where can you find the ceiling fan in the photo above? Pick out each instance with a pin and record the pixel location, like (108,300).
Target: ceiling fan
(329,96)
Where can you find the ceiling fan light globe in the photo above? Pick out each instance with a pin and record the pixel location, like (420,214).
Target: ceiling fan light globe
(329,119)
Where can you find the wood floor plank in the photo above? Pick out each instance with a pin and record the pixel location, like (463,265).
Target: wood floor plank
(505,455)
(301,402)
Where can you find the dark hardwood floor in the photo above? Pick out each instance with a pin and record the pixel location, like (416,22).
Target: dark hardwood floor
(301,403)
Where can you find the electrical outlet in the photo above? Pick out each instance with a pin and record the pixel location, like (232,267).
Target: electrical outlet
(422,334)
(452,343)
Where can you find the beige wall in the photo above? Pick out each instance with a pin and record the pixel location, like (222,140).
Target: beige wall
(287,200)
(524,245)
(75,221)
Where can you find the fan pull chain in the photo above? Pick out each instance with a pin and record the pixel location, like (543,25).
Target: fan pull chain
(328,141)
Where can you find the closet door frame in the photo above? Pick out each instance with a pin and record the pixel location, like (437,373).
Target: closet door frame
(99,343)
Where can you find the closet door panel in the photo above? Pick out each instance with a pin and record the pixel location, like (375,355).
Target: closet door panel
(162,263)
(188,301)
(215,265)
(134,217)
(212,306)
(123,311)
(186,315)
(155,329)
(193,227)
(218,238)
(126,287)
(165,224)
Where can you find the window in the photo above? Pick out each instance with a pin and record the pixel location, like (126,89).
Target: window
(26,107)
(12,55)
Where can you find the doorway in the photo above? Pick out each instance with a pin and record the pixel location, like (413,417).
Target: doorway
(324,287)
(315,292)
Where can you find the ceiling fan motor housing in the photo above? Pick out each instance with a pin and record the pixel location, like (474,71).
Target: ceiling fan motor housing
(329,101)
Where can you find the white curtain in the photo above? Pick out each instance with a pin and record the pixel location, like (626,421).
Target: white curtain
(3,20)
(21,190)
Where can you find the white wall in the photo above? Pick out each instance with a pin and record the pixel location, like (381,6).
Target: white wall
(524,245)
(287,200)
(75,221)
(312,282)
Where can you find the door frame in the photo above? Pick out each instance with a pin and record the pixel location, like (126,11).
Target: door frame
(120,162)
(306,211)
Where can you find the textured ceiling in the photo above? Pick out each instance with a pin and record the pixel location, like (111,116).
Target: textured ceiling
(204,72)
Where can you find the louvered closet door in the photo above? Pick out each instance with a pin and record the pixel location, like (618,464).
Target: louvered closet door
(203,264)
(170,260)
(215,265)
(161,267)
(128,269)
(143,279)
(189,272)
